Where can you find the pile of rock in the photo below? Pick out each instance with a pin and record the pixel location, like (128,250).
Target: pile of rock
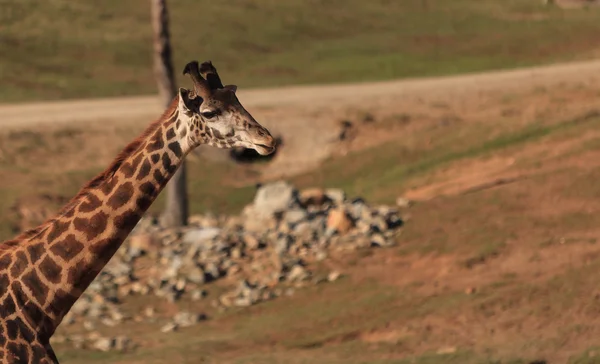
(265,252)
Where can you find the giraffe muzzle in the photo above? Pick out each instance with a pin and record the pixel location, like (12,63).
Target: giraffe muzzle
(264,145)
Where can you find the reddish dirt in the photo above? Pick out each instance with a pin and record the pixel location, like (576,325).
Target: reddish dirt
(308,117)
(512,238)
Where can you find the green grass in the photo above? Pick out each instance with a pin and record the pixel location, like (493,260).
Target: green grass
(486,252)
(397,165)
(324,323)
(589,356)
(59,49)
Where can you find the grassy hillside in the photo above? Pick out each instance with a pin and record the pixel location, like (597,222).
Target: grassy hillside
(504,274)
(59,49)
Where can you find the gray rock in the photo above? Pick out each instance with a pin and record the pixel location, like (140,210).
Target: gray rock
(94,311)
(379,241)
(283,244)
(198,294)
(320,255)
(402,202)
(303,228)
(122,343)
(212,270)
(180,285)
(236,253)
(169,327)
(77,341)
(378,224)
(93,336)
(333,276)
(200,236)
(104,344)
(336,195)
(173,270)
(118,268)
(295,216)
(149,311)
(243,302)
(58,339)
(183,259)
(297,273)
(244,288)
(186,318)
(68,319)
(196,275)
(89,325)
(359,210)
(274,197)
(252,243)
(108,322)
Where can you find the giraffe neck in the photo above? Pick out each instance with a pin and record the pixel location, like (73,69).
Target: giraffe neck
(68,252)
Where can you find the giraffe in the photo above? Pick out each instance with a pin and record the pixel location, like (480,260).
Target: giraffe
(43,271)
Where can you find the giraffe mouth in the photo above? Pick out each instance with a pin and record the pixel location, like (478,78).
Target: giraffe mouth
(264,149)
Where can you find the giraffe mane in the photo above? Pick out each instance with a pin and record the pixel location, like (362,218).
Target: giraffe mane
(108,172)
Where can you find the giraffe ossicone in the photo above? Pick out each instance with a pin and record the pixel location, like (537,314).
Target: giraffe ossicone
(43,271)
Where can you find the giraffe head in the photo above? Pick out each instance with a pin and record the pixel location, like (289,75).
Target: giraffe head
(213,115)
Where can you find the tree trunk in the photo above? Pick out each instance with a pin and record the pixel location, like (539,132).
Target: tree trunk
(176,210)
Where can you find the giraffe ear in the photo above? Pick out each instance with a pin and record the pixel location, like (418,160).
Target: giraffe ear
(232,88)
(186,103)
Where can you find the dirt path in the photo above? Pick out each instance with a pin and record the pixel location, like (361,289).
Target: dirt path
(307,117)
(122,107)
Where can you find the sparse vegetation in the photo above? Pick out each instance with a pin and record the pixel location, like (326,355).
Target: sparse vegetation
(468,236)
(104,48)
(482,272)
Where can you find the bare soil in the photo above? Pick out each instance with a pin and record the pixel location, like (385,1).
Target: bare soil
(308,118)
(499,257)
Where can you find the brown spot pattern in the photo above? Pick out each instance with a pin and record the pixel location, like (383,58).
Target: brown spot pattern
(50,270)
(144,170)
(104,250)
(58,227)
(5,261)
(128,168)
(92,227)
(127,220)
(12,329)
(149,192)
(18,266)
(38,353)
(156,143)
(81,276)
(109,185)
(18,350)
(158,176)
(29,285)
(36,316)
(8,305)
(171,134)
(4,282)
(167,164)
(176,149)
(67,248)
(24,330)
(18,293)
(91,203)
(35,251)
(120,197)
(39,290)
(62,302)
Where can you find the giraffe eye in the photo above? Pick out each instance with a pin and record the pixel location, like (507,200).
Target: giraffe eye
(210,114)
